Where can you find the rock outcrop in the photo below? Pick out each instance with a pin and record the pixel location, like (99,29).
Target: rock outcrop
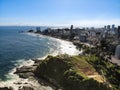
(6,88)
(26,88)
(25,71)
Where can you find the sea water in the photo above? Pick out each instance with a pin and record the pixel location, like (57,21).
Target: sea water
(17,48)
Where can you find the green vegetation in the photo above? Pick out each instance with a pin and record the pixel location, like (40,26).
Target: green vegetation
(96,57)
(71,73)
(110,71)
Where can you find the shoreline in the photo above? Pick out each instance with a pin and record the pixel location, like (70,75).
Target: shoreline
(66,44)
(20,82)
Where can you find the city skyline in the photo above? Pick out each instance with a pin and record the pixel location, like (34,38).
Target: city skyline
(60,12)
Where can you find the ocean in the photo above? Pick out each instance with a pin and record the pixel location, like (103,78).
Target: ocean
(17,47)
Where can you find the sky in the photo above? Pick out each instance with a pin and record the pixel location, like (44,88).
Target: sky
(60,12)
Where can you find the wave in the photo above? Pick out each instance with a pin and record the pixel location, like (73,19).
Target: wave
(63,46)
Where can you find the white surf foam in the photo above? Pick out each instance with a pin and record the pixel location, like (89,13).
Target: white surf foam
(17,82)
(63,46)
(67,47)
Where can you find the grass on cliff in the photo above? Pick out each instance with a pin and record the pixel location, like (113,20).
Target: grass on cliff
(81,65)
(95,57)
(109,70)
(71,73)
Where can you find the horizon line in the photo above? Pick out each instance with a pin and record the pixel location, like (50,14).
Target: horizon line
(76,26)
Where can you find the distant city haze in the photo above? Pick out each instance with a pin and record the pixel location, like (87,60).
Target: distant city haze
(84,13)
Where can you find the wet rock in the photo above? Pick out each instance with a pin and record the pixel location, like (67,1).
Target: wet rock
(25,75)
(6,88)
(24,69)
(17,83)
(25,83)
(26,88)
(35,65)
(36,61)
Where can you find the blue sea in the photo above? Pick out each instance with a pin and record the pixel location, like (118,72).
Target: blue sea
(15,46)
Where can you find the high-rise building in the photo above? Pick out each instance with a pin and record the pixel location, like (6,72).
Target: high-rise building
(113,27)
(108,27)
(38,30)
(71,32)
(118,32)
(71,27)
(105,28)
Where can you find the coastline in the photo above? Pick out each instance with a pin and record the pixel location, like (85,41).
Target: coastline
(65,47)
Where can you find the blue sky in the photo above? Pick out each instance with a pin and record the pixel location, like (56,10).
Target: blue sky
(60,12)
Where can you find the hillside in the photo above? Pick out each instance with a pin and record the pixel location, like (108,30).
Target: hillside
(71,73)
